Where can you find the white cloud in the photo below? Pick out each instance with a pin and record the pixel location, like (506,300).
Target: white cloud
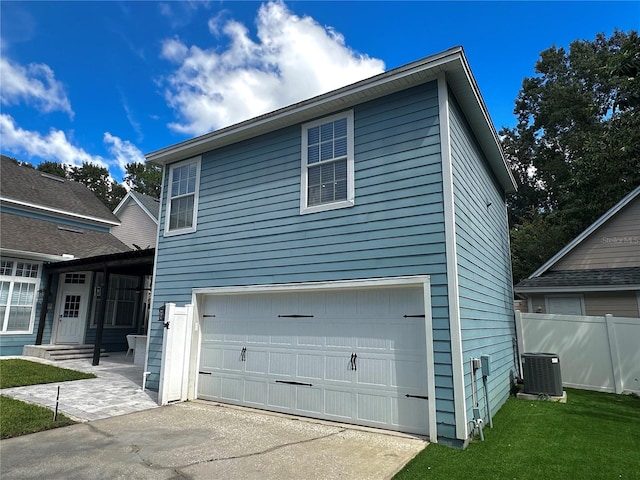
(34,84)
(123,151)
(55,146)
(293,59)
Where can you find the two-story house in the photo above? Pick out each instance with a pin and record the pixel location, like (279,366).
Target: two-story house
(346,256)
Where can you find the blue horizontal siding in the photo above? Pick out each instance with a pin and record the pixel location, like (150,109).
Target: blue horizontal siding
(250,231)
(484,268)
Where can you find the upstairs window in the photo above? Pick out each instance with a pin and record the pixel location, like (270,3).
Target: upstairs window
(327,164)
(182,200)
(19,283)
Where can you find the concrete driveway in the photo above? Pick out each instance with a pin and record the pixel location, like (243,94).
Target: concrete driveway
(203,440)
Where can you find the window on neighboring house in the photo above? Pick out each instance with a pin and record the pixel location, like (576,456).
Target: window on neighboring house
(18,295)
(327,164)
(182,200)
(122,301)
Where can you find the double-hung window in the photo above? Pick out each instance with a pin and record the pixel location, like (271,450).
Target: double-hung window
(182,198)
(19,282)
(327,164)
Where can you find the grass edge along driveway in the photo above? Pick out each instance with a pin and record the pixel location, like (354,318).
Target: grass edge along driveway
(20,418)
(594,435)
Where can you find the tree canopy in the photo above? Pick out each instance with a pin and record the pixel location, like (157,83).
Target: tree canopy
(575,150)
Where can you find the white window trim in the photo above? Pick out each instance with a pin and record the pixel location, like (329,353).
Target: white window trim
(350,201)
(583,306)
(193,228)
(13,279)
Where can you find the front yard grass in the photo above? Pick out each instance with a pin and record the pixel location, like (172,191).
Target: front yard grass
(15,372)
(593,436)
(19,418)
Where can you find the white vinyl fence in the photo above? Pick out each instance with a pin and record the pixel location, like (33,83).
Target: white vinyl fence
(596,353)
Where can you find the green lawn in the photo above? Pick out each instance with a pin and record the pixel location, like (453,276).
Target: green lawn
(593,436)
(15,372)
(20,418)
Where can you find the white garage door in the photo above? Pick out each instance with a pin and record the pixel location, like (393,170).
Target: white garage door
(353,356)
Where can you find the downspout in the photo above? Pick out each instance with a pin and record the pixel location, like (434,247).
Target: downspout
(44,309)
(104,290)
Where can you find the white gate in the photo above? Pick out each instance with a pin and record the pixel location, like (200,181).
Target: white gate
(176,350)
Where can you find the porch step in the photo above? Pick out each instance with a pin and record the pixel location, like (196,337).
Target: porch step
(61,352)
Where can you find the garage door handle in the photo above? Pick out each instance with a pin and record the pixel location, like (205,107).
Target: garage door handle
(294,383)
(243,354)
(352,362)
(423,397)
(414,316)
(205,373)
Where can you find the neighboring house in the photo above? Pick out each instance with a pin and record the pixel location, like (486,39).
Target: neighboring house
(138,215)
(597,273)
(47,221)
(346,256)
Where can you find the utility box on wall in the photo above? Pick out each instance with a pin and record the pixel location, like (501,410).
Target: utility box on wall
(542,374)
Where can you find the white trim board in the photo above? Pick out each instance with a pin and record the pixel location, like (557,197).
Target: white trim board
(457,364)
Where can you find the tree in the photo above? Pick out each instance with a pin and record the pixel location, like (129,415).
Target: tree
(575,150)
(52,168)
(144,178)
(97,179)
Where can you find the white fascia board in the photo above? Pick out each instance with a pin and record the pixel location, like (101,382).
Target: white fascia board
(59,213)
(417,280)
(453,293)
(592,228)
(45,257)
(578,289)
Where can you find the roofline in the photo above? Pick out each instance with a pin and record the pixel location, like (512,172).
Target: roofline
(452,61)
(577,289)
(48,257)
(130,194)
(57,211)
(587,232)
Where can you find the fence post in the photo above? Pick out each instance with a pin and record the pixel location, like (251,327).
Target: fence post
(520,339)
(613,352)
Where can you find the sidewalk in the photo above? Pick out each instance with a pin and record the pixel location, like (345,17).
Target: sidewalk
(116,391)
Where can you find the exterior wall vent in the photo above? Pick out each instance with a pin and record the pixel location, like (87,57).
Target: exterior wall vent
(541,373)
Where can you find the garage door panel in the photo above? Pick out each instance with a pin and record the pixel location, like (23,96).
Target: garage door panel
(408,374)
(310,366)
(257,362)
(255,392)
(337,368)
(282,364)
(309,337)
(231,388)
(373,408)
(409,414)
(338,404)
(282,396)
(309,400)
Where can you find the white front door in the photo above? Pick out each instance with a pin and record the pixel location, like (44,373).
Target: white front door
(354,356)
(71,308)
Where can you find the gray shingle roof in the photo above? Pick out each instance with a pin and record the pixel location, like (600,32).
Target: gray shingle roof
(41,236)
(150,203)
(32,186)
(598,277)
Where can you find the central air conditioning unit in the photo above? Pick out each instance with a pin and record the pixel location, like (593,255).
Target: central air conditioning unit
(541,373)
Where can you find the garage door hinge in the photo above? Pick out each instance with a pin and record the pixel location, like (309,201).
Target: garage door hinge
(414,316)
(208,315)
(295,316)
(423,397)
(294,383)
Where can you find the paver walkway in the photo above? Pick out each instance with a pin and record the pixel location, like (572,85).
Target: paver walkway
(116,391)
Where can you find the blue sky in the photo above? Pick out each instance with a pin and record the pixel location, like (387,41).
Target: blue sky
(107,82)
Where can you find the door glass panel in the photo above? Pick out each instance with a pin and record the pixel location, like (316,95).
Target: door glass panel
(72,306)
